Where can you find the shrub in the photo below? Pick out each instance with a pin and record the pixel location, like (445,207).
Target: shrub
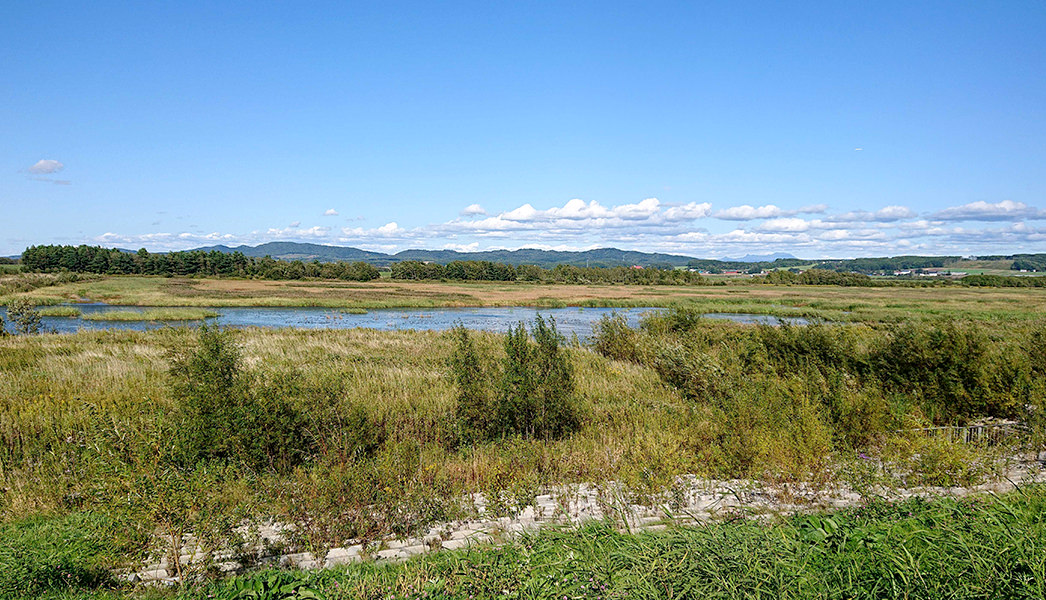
(23,315)
(949,367)
(535,387)
(474,410)
(613,338)
(227,414)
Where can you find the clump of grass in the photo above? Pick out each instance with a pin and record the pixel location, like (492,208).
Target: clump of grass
(57,554)
(60,311)
(153,314)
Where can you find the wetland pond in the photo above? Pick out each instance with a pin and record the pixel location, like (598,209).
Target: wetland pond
(569,320)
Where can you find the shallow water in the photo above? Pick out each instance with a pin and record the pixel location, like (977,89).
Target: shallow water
(569,321)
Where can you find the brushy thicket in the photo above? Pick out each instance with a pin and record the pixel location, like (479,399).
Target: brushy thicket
(786,396)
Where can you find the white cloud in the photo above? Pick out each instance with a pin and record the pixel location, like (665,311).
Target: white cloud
(295,224)
(688,212)
(886,214)
(472,210)
(330,212)
(786,224)
(46,167)
(297,232)
(474,246)
(747,212)
(523,213)
(650,225)
(387,231)
(1006,210)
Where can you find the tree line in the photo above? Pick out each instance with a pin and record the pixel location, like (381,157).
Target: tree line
(214,263)
(95,259)
(481,270)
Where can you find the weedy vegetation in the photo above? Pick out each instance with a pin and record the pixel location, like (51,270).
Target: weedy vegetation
(122,446)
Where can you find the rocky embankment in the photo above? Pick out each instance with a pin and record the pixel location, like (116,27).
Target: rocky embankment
(691,501)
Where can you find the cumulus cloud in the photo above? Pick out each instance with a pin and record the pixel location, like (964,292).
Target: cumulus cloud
(580,216)
(474,246)
(787,224)
(472,210)
(688,212)
(46,167)
(388,230)
(298,233)
(1005,210)
(330,212)
(747,212)
(651,225)
(295,224)
(888,214)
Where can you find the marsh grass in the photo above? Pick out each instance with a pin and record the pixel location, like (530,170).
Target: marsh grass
(151,314)
(60,311)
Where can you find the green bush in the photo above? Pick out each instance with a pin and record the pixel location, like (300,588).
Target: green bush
(949,368)
(226,413)
(475,410)
(613,338)
(534,393)
(23,315)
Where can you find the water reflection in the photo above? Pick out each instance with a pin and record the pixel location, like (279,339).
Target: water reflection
(570,321)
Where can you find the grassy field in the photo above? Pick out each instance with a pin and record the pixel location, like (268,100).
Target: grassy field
(114,443)
(833,303)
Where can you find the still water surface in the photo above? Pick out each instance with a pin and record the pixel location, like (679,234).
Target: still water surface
(569,321)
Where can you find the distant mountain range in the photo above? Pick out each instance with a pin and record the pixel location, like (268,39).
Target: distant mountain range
(613,257)
(754,258)
(602,257)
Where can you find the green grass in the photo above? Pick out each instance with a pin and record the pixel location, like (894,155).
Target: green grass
(57,554)
(152,314)
(978,548)
(60,311)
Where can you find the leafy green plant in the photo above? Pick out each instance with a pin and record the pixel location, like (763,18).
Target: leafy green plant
(279,585)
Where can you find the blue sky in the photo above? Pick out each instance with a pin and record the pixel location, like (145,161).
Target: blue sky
(709,129)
